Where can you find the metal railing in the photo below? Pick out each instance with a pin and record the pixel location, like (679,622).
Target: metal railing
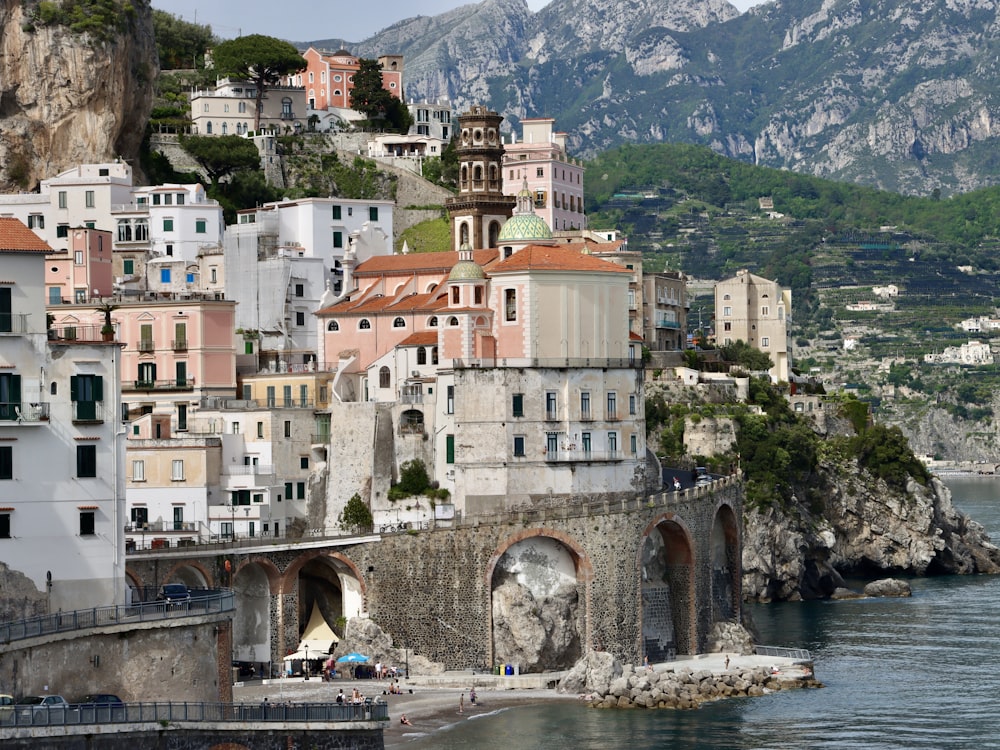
(78,334)
(159,385)
(13,323)
(26,412)
(562,456)
(172,713)
(88,411)
(247,470)
(203,601)
(787,653)
(556,362)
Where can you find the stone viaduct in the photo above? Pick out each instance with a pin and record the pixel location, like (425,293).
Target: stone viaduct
(646,576)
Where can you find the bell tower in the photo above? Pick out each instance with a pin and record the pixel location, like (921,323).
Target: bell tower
(480,209)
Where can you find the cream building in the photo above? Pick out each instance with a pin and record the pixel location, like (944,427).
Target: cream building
(757,311)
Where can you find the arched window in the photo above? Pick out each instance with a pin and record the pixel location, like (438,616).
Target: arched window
(333,325)
(399,323)
(479,295)
(225,128)
(433,322)
(383,377)
(434,355)
(726,296)
(455,295)
(364,325)
(208,128)
(494,233)
(477,174)
(243,107)
(453,321)
(421,356)
(463,234)
(510,304)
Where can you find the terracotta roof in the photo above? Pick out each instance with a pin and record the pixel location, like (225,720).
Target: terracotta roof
(633,336)
(554,258)
(15,237)
(414,262)
(421,338)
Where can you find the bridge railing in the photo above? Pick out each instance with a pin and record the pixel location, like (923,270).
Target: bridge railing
(787,653)
(162,713)
(203,601)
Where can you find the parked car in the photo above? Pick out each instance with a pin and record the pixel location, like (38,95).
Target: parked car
(101,699)
(29,704)
(174,593)
(6,704)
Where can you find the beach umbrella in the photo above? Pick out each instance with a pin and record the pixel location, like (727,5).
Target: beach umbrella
(352,658)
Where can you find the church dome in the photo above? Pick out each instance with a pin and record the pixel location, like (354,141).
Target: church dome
(466,269)
(525,225)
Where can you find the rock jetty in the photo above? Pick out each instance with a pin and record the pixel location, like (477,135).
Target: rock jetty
(604,683)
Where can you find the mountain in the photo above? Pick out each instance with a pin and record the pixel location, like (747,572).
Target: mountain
(896,94)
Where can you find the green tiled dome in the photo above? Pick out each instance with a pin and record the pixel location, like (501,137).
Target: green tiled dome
(466,270)
(521,227)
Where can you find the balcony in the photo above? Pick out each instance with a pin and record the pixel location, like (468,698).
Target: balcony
(145,345)
(26,413)
(571,456)
(663,323)
(551,415)
(78,335)
(15,323)
(88,412)
(175,384)
(320,438)
(554,362)
(179,345)
(613,415)
(586,415)
(247,470)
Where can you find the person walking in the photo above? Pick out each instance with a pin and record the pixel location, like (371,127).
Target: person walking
(461,703)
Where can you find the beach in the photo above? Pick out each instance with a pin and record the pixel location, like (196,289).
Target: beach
(428,708)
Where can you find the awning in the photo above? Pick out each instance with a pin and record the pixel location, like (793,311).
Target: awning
(317,640)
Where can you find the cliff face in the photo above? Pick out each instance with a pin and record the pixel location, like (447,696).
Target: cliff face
(68,99)
(862,528)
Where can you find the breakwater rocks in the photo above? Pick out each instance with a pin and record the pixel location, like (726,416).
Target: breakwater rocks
(680,686)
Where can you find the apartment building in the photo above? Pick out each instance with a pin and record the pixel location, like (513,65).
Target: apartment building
(757,311)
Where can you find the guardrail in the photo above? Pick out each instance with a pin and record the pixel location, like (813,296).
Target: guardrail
(169,713)
(203,601)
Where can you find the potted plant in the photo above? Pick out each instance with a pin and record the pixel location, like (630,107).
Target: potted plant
(108,329)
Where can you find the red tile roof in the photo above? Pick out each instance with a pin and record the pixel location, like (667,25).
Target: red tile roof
(633,336)
(15,237)
(419,262)
(554,258)
(421,338)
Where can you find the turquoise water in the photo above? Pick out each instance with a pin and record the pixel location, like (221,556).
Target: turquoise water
(899,673)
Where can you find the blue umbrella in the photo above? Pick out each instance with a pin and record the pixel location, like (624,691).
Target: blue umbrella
(352,658)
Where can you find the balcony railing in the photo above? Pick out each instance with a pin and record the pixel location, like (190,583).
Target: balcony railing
(566,456)
(586,415)
(555,362)
(145,345)
(159,526)
(321,438)
(667,324)
(88,411)
(24,413)
(78,334)
(551,415)
(13,323)
(613,415)
(247,470)
(174,384)
(179,345)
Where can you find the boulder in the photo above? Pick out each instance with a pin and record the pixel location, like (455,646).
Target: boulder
(845,593)
(888,587)
(591,674)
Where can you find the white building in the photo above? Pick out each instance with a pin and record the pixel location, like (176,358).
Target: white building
(971,353)
(61,464)
(228,109)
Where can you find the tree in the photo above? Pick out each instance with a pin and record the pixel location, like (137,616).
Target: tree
(260,59)
(746,356)
(356,515)
(179,44)
(368,96)
(221,156)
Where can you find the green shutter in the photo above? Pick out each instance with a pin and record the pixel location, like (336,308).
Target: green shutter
(98,388)
(450,449)
(74,388)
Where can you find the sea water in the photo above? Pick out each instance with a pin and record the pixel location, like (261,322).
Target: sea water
(898,673)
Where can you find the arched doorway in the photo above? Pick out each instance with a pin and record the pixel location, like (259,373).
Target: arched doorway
(331,587)
(538,605)
(252,619)
(726,589)
(667,591)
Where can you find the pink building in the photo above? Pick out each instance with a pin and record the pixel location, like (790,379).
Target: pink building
(329,78)
(84,271)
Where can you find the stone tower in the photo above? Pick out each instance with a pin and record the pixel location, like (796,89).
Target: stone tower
(479,210)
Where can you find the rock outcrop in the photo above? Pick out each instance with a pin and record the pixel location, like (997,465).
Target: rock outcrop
(363,636)
(536,634)
(864,528)
(68,98)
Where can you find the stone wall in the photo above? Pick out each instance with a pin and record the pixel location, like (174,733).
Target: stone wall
(179,737)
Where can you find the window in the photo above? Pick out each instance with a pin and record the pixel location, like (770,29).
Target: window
(214,273)
(539,172)
(384,377)
(455,295)
(140,517)
(338,239)
(200,226)
(612,442)
(288,490)
(551,443)
(631,404)
(62,230)
(373,213)
(10,395)
(300,290)
(138,471)
(399,323)
(6,462)
(300,490)
(727,311)
(128,266)
(432,323)
(270,403)
(517,404)
(300,318)
(765,311)
(765,341)
(86,461)
(87,523)
(78,257)
(177,470)
(303,462)
(510,304)
(364,325)
(62,199)
(164,275)
(168,225)
(585,405)
(336,213)
(235,428)
(86,391)
(612,405)
(288,428)
(449,449)
(727,326)
(36,221)
(450,400)
(260,429)
(286,396)
(303,395)
(550,405)
(421,356)
(519,445)
(634,443)
(182,417)
(333,325)
(585,439)
(89,199)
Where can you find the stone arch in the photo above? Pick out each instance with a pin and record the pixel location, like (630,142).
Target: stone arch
(666,567)
(254,582)
(726,565)
(330,580)
(133,579)
(192,573)
(542,570)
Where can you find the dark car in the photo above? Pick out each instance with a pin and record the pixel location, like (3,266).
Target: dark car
(174,593)
(101,699)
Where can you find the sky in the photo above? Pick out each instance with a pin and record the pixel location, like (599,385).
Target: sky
(307,20)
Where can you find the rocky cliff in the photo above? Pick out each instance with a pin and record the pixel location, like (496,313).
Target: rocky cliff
(860,527)
(891,93)
(69,98)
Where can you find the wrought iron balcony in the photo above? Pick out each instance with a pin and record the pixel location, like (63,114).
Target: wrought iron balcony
(173,384)
(145,345)
(180,345)
(26,413)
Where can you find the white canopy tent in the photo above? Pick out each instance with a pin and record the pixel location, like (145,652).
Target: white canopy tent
(317,640)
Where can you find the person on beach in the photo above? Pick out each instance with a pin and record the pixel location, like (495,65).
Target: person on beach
(727,661)
(461,703)
(472,696)
(404,720)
